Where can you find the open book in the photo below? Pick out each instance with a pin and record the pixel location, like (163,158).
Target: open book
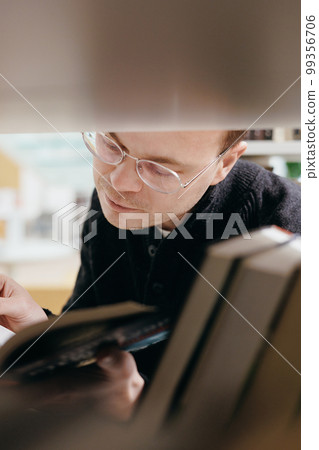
(75,338)
(5,335)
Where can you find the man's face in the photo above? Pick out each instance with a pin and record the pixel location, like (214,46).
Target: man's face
(121,191)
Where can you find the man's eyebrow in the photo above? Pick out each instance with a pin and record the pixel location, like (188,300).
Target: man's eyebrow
(115,137)
(158,159)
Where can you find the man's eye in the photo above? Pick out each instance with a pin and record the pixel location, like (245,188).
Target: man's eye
(112,148)
(153,170)
(160,171)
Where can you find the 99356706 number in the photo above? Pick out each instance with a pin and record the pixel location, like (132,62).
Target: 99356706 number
(310,45)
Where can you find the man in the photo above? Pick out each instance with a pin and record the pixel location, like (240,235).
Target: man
(145,184)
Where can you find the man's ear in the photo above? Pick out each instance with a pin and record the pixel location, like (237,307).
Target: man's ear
(228,161)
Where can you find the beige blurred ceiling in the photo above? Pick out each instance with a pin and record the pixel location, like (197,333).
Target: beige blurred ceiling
(148,65)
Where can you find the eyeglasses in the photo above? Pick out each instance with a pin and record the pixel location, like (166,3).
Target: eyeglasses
(154,175)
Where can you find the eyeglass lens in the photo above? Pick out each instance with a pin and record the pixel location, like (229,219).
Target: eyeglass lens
(153,174)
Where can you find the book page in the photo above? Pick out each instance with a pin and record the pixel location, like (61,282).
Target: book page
(5,335)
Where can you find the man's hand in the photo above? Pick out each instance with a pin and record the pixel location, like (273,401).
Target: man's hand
(18,310)
(111,386)
(123,384)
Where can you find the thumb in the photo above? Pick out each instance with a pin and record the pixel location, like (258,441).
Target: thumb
(116,364)
(7,306)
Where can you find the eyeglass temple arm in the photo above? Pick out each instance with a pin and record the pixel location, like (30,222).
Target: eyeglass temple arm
(207,167)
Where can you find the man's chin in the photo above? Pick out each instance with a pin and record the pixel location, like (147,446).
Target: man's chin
(111,216)
(123,221)
(133,221)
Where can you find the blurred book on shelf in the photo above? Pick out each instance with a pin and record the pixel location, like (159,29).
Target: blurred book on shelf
(277,135)
(296,135)
(258,135)
(277,150)
(294,170)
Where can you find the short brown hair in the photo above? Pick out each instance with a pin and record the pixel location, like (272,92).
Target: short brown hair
(232,137)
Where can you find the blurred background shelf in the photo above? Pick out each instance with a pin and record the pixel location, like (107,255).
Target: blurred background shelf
(271,148)
(277,150)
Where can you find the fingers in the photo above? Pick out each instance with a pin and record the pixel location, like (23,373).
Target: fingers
(4,281)
(125,384)
(112,386)
(20,310)
(8,307)
(15,306)
(8,286)
(116,363)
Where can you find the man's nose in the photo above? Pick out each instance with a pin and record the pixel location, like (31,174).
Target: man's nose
(124,177)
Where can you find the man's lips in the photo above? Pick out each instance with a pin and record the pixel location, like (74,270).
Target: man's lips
(117,207)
